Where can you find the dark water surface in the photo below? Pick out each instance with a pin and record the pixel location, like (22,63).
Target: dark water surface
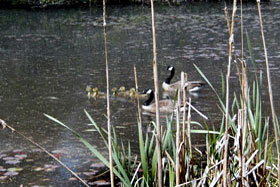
(47,58)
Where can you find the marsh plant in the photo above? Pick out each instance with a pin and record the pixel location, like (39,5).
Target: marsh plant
(241,153)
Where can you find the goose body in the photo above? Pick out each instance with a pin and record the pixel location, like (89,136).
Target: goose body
(190,86)
(165,106)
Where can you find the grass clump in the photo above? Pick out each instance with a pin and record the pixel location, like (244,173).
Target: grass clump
(241,153)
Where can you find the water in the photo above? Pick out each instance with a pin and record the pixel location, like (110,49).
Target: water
(49,57)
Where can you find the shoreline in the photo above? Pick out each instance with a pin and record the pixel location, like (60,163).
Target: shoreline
(68,4)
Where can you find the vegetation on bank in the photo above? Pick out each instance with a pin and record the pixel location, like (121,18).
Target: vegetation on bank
(87,3)
(241,153)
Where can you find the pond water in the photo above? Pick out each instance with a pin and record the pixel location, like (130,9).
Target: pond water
(49,57)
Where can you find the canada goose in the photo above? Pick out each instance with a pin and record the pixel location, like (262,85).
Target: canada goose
(123,92)
(191,86)
(96,93)
(165,106)
(133,94)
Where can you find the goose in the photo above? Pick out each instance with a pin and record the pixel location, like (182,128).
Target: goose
(96,93)
(191,86)
(165,106)
(133,94)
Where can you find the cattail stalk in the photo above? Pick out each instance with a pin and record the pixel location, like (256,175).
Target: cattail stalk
(244,88)
(155,72)
(137,97)
(178,138)
(231,40)
(108,98)
(189,127)
(270,91)
(227,17)
(184,78)
(241,29)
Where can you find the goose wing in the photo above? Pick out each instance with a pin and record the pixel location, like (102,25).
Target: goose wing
(171,87)
(192,86)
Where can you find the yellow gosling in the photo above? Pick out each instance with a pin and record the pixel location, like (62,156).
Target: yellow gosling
(133,94)
(114,91)
(123,92)
(96,94)
(88,89)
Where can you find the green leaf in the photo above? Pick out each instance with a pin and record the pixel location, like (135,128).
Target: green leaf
(91,148)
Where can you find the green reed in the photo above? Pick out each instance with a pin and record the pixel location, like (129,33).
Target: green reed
(239,153)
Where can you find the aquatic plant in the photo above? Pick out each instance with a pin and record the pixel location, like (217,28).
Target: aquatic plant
(239,153)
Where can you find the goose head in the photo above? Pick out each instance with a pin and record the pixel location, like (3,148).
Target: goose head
(150,94)
(172,72)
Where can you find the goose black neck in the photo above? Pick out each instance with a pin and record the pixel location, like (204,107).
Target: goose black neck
(150,99)
(168,80)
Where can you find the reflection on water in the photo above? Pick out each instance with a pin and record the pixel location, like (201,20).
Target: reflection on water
(48,58)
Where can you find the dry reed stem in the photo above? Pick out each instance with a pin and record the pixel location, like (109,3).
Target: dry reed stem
(137,97)
(108,98)
(170,159)
(189,127)
(227,17)
(184,78)
(231,40)
(178,138)
(135,173)
(270,91)
(241,29)
(43,149)
(155,72)
(265,150)
(244,87)
(240,151)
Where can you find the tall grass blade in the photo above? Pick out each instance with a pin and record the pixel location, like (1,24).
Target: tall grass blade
(252,59)
(143,154)
(91,148)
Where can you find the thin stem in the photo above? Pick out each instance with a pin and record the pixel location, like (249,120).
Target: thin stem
(108,98)
(137,97)
(244,87)
(231,40)
(178,138)
(189,127)
(270,91)
(184,78)
(227,17)
(242,39)
(155,72)
(43,149)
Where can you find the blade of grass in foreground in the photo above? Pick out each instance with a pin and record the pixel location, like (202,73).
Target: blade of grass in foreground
(143,154)
(91,148)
